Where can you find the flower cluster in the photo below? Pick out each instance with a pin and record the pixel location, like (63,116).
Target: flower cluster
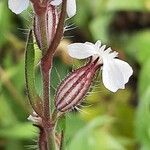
(115,72)
(48,26)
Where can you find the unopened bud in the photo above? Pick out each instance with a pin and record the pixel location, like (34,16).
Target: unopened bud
(73,89)
(45,26)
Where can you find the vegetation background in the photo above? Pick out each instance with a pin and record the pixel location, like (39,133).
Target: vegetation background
(107,121)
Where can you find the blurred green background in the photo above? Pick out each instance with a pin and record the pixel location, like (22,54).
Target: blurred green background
(105,121)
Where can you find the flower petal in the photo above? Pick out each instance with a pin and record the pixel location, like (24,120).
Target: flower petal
(125,68)
(98,44)
(81,50)
(112,76)
(89,43)
(17,6)
(71,8)
(56,2)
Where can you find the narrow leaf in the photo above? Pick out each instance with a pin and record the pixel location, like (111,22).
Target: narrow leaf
(34,99)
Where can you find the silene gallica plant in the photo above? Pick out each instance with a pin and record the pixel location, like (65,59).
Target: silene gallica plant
(47,32)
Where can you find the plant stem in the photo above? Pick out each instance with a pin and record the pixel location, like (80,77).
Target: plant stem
(45,65)
(48,142)
(46,90)
(51,140)
(42,140)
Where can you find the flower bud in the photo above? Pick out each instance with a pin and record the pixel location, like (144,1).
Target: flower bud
(73,89)
(45,26)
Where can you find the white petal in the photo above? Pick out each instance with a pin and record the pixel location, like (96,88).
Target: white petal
(81,50)
(56,2)
(102,48)
(125,68)
(98,44)
(17,6)
(71,8)
(112,76)
(89,43)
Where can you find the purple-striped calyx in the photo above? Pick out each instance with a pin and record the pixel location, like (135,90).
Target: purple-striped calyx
(75,86)
(45,26)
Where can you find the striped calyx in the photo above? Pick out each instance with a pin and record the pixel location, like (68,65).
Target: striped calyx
(45,26)
(75,86)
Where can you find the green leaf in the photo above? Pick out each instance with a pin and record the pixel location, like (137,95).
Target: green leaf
(95,137)
(5,23)
(73,124)
(138,46)
(142,122)
(5,119)
(83,13)
(144,78)
(19,131)
(35,100)
(38,55)
(99,27)
(62,123)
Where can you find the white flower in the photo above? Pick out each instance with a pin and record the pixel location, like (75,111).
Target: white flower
(115,72)
(71,6)
(17,6)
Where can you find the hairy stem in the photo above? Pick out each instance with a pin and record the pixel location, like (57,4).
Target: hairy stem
(51,140)
(42,139)
(49,143)
(47,139)
(46,91)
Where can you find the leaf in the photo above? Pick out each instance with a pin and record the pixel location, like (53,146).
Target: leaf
(73,124)
(144,79)
(138,46)
(142,123)
(83,13)
(18,131)
(5,119)
(37,51)
(34,99)
(99,27)
(5,23)
(70,124)
(95,137)
(62,123)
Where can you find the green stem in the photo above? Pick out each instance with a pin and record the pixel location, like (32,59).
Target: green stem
(51,140)
(62,145)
